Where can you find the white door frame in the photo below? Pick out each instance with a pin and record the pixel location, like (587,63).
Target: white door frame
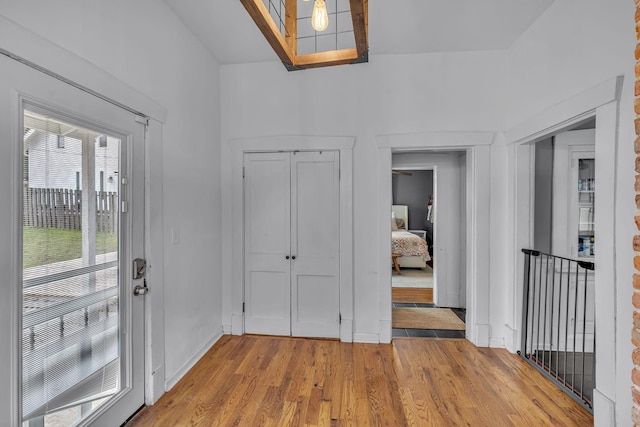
(600,102)
(478,147)
(50,58)
(292,143)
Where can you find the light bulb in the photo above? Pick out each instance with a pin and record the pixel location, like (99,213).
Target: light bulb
(319,17)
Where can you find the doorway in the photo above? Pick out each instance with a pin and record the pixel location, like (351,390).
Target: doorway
(79,330)
(477,227)
(425,184)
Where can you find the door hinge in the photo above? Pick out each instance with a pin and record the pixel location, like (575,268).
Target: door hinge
(125,206)
(243,307)
(340,318)
(243,172)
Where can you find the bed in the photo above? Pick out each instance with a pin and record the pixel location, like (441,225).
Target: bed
(413,249)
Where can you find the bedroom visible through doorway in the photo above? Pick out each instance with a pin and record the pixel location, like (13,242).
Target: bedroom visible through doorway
(426,293)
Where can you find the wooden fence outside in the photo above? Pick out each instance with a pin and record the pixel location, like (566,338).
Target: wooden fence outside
(61,208)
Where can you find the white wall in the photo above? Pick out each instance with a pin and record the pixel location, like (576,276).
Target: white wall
(143,44)
(574,46)
(390,95)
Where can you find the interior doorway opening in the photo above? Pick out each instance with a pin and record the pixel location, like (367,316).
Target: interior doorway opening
(429,207)
(559,338)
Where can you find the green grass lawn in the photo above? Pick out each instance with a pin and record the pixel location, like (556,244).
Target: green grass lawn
(49,245)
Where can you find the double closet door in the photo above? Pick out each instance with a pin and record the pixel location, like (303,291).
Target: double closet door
(292,230)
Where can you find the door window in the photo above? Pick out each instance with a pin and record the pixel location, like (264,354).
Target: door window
(71,352)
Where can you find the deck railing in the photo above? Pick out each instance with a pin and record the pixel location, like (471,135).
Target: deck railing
(558,323)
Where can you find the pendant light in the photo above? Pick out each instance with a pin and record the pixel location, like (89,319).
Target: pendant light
(319,17)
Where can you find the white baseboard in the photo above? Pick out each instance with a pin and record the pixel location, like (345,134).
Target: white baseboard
(366,338)
(511,339)
(173,380)
(604,410)
(496,343)
(226,329)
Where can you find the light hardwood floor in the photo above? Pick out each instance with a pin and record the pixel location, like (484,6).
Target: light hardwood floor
(420,295)
(278,381)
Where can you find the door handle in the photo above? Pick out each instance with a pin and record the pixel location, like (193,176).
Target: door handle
(141,290)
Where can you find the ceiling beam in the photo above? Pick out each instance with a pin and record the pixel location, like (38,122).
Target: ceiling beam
(324,59)
(260,15)
(291,25)
(360,19)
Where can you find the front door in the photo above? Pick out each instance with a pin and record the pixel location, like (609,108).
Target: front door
(80,220)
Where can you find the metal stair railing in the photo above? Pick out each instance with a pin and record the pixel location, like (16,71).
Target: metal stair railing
(558,322)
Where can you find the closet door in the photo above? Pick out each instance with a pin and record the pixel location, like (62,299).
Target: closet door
(267,227)
(292,244)
(315,243)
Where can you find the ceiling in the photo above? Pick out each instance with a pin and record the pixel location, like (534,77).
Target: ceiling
(395,27)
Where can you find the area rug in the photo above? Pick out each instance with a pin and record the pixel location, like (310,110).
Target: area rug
(426,318)
(413,278)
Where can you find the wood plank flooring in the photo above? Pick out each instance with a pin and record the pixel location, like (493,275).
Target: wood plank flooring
(279,381)
(419,295)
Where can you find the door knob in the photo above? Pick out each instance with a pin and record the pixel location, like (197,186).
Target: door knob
(293,257)
(140,290)
(287,257)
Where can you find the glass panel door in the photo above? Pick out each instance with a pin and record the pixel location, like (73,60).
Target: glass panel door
(71,291)
(73,332)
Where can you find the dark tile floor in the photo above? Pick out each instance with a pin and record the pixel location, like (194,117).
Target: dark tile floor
(428,333)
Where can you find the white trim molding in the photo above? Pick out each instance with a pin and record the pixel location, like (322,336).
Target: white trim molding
(448,140)
(154,252)
(292,143)
(565,113)
(478,148)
